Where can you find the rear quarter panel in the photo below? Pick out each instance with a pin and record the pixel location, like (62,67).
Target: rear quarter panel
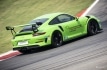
(49,31)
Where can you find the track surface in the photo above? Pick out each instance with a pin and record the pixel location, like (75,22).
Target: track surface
(70,54)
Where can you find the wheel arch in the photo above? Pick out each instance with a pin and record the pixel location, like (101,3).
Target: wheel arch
(93,20)
(60,41)
(55,31)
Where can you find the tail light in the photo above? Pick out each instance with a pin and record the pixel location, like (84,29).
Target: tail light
(37,34)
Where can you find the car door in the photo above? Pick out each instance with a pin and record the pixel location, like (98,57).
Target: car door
(71,25)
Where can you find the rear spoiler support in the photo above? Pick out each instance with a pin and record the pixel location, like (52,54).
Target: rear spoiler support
(12,30)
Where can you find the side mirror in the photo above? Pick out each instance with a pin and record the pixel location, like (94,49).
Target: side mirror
(9,28)
(76,18)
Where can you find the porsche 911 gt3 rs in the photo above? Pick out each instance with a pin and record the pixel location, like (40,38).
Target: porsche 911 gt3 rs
(52,29)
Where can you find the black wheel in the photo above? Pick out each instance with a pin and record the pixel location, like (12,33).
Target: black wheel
(92,27)
(56,39)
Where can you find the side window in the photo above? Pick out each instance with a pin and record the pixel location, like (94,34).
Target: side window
(54,21)
(65,18)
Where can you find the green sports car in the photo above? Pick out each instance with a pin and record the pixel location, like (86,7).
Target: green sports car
(52,29)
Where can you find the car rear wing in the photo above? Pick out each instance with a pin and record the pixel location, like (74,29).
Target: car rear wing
(12,29)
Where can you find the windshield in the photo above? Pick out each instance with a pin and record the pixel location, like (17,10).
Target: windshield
(29,28)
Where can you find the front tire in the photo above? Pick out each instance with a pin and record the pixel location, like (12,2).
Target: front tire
(92,28)
(56,39)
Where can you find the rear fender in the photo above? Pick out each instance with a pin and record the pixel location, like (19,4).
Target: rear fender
(51,30)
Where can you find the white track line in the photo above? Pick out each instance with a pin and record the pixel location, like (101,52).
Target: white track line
(87,11)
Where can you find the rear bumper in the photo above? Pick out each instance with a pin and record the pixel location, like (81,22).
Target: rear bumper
(26,47)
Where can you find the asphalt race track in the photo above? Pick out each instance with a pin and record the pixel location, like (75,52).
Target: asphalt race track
(86,53)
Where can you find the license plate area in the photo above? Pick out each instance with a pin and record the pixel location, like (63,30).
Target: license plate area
(21,43)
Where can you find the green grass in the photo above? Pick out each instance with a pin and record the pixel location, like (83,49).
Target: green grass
(14,12)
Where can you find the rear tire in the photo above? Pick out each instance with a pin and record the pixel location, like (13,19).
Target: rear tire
(56,39)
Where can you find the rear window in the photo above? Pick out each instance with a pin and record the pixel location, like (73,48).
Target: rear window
(29,28)
(43,20)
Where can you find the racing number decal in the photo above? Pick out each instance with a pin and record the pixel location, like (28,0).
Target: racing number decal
(74,28)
